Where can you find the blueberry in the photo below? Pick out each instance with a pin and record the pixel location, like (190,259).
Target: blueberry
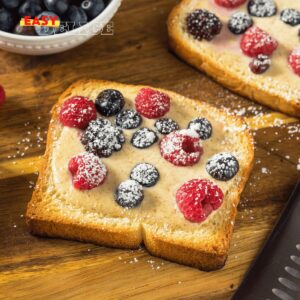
(143,138)
(59,7)
(260,64)
(262,8)
(202,126)
(46,30)
(145,174)
(77,16)
(290,16)
(11,4)
(93,7)
(109,102)
(6,20)
(128,119)
(30,8)
(129,194)
(24,30)
(166,126)
(202,24)
(102,138)
(222,166)
(239,23)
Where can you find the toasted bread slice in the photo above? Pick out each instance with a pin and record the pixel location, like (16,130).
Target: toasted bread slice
(57,209)
(223,60)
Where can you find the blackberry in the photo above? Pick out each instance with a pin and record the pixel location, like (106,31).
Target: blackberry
(143,138)
(290,16)
(145,174)
(202,126)
(102,138)
(239,23)
(222,166)
(129,194)
(166,126)
(262,8)
(202,24)
(109,102)
(260,64)
(128,119)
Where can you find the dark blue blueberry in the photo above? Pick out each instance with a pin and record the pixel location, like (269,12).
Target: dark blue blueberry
(129,194)
(290,16)
(166,125)
(11,4)
(77,16)
(6,20)
(30,8)
(145,174)
(239,23)
(93,7)
(202,126)
(144,138)
(128,119)
(59,7)
(262,8)
(109,102)
(46,30)
(222,166)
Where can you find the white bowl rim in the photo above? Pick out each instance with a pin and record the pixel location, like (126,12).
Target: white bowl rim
(18,37)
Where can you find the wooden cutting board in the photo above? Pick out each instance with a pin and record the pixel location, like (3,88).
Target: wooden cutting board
(41,268)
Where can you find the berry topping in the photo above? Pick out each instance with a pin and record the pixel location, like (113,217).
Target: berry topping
(230,3)
(202,24)
(152,104)
(143,138)
(2,95)
(222,166)
(129,194)
(202,126)
(262,8)
(128,119)
(145,174)
(102,138)
(181,148)
(239,23)
(255,41)
(197,199)
(260,64)
(290,16)
(77,112)
(88,171)
(294,60)
(166,126)
(109,102)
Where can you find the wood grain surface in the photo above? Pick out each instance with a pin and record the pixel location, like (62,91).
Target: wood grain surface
(137,53)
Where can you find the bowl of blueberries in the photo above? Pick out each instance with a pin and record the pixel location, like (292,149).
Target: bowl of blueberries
(26,26)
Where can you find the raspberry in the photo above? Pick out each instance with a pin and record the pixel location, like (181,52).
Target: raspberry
(255,41)
(2,95)
(230,3)
(88,171)
(152,104)
(198,198)
(181,148)
(77,112)
(294,60)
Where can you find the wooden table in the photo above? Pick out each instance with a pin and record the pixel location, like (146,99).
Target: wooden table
(37,268)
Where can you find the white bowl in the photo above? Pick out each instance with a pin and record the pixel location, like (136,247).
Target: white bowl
(43,45)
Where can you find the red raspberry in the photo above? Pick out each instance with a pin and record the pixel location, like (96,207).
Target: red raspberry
(181,148)
(88,171)
(152,104)
(2,95)
(255,41)
(77,112)
(294,60)
(197,199)
(230,3)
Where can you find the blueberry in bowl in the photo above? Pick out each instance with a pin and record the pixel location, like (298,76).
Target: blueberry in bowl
(22,29)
